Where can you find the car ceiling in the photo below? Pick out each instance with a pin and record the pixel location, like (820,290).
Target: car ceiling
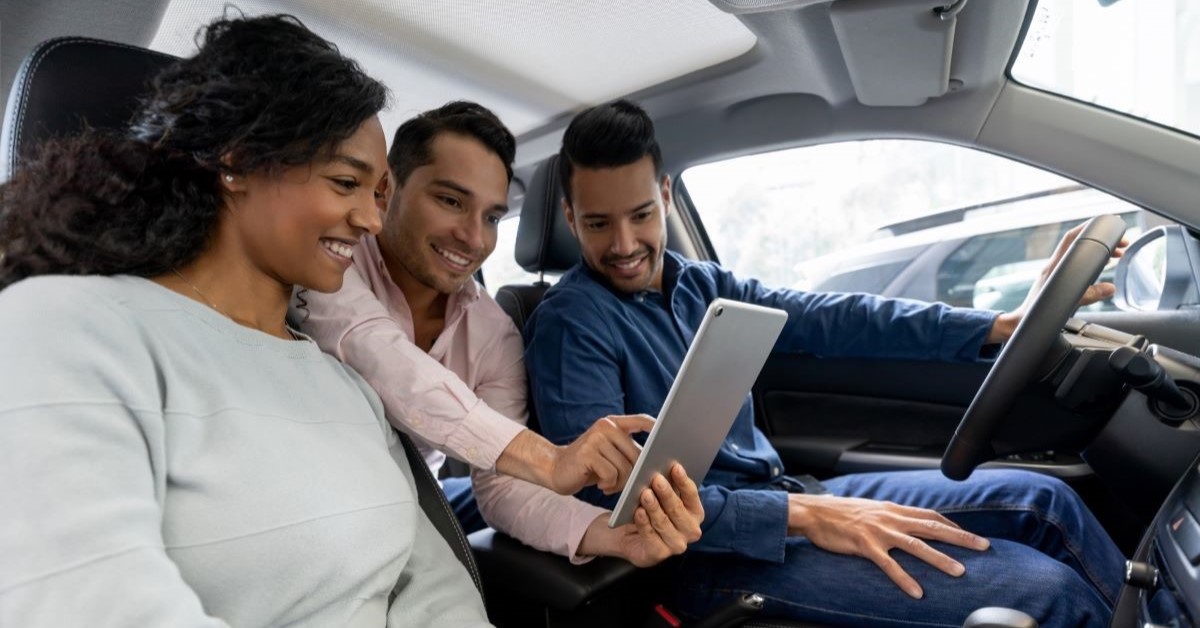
(802,81)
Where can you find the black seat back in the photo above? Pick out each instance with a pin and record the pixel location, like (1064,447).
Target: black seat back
(69,84)
(544,242)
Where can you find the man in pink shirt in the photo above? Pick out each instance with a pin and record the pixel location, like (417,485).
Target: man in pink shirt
(447,361)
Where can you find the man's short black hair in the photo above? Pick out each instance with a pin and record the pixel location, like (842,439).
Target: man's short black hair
(411,144)
(607,136)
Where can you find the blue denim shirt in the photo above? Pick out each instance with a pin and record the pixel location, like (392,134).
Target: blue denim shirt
(592,351)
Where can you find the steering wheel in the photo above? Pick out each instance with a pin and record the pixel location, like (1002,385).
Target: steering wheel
(1037,332)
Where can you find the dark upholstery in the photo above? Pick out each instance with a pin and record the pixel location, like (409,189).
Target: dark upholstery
(544,241)
(72,83)
(521,570)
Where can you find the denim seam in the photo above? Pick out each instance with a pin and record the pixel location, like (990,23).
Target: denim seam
(1109,598)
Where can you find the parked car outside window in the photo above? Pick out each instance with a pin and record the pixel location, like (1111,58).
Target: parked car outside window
(918,220)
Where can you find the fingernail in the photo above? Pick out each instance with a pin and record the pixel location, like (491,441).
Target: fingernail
(982,543)
(646,497)
(916,593)
(957,570)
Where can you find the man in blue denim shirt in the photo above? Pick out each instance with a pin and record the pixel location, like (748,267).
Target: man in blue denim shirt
(609,338)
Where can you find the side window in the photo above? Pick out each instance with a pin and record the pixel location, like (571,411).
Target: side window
(995,271)
(898,218)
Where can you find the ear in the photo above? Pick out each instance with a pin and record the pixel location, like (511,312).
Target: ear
(387,185)
(230,182)
(665,189)
(570,216)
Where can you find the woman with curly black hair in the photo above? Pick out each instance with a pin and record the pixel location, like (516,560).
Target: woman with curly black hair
(171,453)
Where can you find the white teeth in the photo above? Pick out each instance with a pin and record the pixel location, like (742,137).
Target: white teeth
(341,249)
(456,259)
(628,264)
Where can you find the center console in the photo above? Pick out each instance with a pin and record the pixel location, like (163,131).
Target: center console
(1163,580)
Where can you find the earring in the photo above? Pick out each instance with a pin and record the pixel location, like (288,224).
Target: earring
(229,178)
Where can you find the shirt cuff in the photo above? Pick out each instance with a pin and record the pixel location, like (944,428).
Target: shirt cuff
(483,435)
(582,517)
(760,527)
(964,331)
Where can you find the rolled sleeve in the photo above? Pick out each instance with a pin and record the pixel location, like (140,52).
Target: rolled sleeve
(752,523)
(964,332)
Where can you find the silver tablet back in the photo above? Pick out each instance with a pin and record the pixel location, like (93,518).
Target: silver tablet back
(726,356)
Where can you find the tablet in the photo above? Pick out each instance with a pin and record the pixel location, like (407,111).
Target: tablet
(729,351)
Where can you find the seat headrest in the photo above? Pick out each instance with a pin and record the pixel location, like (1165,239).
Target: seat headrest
(544,241)
(68,84)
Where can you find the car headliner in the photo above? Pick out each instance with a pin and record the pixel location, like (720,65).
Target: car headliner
(796,86)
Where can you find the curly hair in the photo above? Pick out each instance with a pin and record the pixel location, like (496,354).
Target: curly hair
(261,95)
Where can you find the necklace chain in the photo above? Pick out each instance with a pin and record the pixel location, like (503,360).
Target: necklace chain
(204,298)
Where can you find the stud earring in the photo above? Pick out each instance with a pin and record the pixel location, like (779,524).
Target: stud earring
(229,178)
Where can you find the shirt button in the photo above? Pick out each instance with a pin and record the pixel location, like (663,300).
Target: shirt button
(472,452)
(415,421)
(733,446)
(774,470)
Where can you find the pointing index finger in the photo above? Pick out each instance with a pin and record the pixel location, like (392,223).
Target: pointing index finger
(635,423)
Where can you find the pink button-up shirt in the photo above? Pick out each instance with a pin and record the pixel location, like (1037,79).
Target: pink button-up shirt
(467,396)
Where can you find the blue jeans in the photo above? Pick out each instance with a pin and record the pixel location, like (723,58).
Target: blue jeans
(1049,557)
(462,502)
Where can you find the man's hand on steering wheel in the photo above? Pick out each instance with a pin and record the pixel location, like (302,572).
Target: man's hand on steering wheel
(1002,329)
(1066,282)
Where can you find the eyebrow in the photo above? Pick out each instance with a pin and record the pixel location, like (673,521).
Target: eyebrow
(631,211)
(447,183)
(354,162)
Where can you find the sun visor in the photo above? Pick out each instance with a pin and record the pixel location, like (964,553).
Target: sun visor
(897,51)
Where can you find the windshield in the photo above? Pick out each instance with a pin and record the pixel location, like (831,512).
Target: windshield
(1137,57)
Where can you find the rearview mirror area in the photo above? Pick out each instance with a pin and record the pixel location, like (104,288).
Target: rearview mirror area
(1159,271)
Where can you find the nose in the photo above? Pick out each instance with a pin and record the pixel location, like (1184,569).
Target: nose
(469,231)
(368,219)
(624,238)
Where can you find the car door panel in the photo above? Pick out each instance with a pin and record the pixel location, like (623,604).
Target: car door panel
(830,416)
(815,410)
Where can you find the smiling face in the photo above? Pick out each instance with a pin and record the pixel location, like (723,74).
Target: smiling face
(441,223)
(300,225)
(619,217)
